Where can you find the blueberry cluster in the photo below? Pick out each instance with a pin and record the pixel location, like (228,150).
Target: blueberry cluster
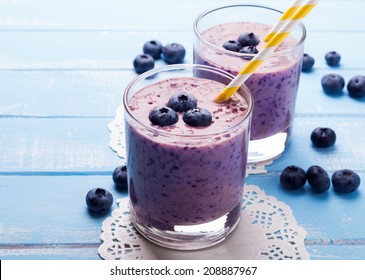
(245,43)
(183,103)
(333,84)
(343,181)
(99,200)
(332,58)
(152,50)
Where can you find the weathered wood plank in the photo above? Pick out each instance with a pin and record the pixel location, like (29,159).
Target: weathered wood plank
(328,217)
(82,145)
(109,50)
(52,210)
(171,15)
(63,93)
(327,252)
(50,252)
(99,93)
(81,50)
(340,252)
(56,145)
(348,151)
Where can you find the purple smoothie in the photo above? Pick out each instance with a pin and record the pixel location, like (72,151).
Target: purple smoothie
(274,86)
(183,175)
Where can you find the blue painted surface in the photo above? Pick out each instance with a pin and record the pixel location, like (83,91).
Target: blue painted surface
(63,68)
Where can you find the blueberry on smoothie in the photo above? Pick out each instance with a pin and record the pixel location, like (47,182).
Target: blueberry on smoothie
(249,50)
(173,53)
(232,45)
(308,63)
(293,177)
(333,58)
(153,48)
(99,200)
(248,39)
(163,116)
(143,63)
(345,181)
(318,179)
(197,117)
(323,137)
(120,177)
(182,102)
(356,86)
(332,83)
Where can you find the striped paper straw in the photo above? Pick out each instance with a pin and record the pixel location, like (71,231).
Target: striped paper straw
(283,19)
(270,46)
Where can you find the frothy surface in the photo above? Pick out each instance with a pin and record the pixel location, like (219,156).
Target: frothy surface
(219,34)
(224,115)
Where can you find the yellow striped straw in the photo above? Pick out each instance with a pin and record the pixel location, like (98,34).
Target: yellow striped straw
(283,19)
(270,46)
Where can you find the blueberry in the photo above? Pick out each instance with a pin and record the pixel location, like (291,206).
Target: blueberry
(248,39)
(197,117)
(345,181)
(323,137)
(308,63)
(163,116)
(356,86)
(182,102)
(333,58)
(153,48)
(293,177)
(99,200)
(249,50)
(318,179)
(232,45)
(333,83)
(120,177)
(173,53)
(143,63)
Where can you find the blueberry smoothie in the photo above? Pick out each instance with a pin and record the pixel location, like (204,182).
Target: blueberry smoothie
(274,86)
(182,175)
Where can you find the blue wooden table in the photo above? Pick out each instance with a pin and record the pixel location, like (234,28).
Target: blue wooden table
(63,68)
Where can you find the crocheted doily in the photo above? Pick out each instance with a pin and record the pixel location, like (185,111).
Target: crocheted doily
(267,230)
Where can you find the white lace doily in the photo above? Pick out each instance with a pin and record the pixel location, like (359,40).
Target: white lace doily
(117,143)
(267,230)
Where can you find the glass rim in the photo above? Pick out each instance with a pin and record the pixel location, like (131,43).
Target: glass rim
(179,67)
(230,53)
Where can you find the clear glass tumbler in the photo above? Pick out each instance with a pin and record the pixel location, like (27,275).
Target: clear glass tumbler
(185,182)
(274,86)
